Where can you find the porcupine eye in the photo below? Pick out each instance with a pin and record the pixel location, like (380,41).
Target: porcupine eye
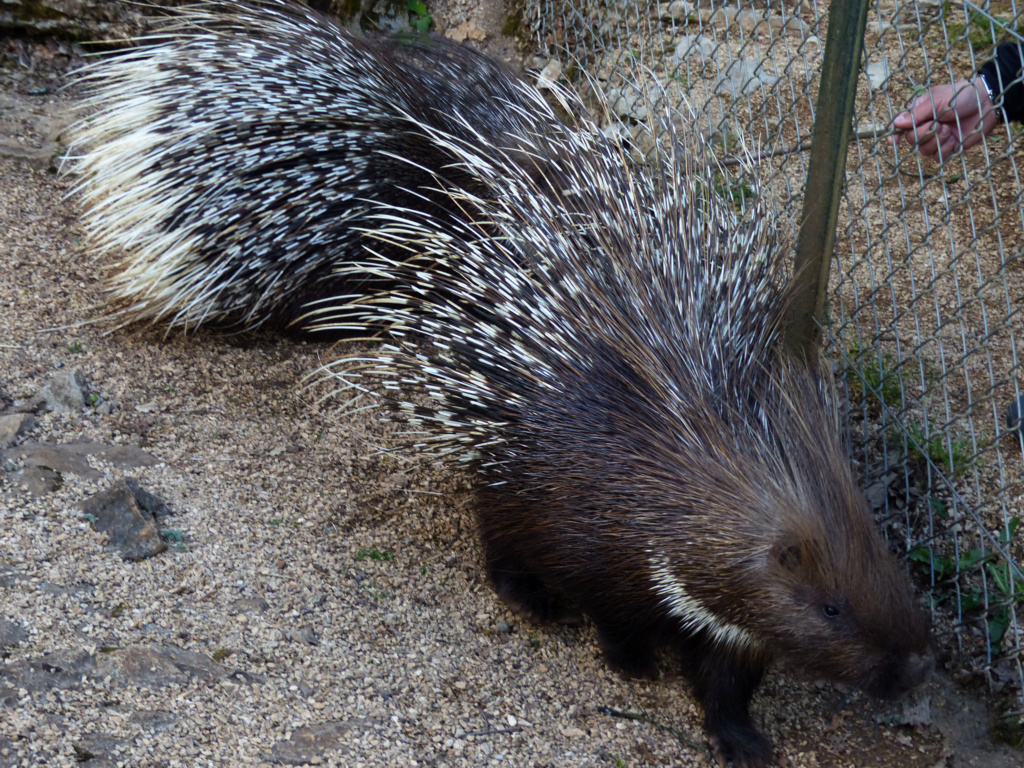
(830,611)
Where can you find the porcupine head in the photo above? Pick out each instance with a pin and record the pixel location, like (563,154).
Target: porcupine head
(822,591)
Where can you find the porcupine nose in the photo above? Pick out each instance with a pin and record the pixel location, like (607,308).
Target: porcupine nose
(914,671)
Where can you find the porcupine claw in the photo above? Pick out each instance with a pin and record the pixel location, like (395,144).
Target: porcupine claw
(755,752)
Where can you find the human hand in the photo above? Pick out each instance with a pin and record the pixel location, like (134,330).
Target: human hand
(946,117)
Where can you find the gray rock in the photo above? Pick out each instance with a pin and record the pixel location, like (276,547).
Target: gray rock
(12,425)
(147,501)
(878,492)
(128,457)
(44,464)
(627,102)
(678,10)
(878,74)
(155,667)
(71,457)
(743,77)
(96,749)
(876,495)
(149,666)
(9,577)
(1013,414)
(154,720)
(304,635)
(59,458)
(37,481)
(918,713)
(793,26)
(695,47)
(250,605)
(116,513)
(63,393)
(61,669)
(10,633)
(313,741)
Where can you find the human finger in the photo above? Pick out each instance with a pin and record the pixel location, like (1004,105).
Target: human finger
(918,133)
(938,142)
(946,148)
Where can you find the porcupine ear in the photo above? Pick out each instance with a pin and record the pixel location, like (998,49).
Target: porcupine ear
(796,559)
(794,555)
(788,554)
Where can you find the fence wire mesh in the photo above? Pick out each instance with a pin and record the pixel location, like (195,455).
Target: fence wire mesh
(925,294)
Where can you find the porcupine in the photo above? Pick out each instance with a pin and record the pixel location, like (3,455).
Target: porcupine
(597,340)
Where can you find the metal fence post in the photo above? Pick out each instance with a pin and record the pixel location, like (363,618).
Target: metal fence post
(826,173)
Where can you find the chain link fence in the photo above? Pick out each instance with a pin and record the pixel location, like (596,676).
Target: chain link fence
(923,314)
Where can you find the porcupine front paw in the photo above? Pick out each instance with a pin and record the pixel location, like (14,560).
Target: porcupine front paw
(739,746)
(726,683)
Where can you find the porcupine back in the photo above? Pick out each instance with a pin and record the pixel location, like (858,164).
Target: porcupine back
(599,341)
(198,143)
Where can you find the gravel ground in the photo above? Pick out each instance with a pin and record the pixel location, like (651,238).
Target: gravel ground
(322,599)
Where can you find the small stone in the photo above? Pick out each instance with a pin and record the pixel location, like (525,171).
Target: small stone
(878,74)
(548,76)
(917,713)
(63,393)
(627,102)
(743,77)
(250,605)
(793,26)
(304,635)
(10,633)
(502,628)
(147,501)
(302,745)
(116,513)
(876,495)
(695,47)
(677,10)
(13,425)
(749,20)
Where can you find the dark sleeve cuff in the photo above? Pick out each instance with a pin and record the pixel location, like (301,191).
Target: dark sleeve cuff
(1003,76)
